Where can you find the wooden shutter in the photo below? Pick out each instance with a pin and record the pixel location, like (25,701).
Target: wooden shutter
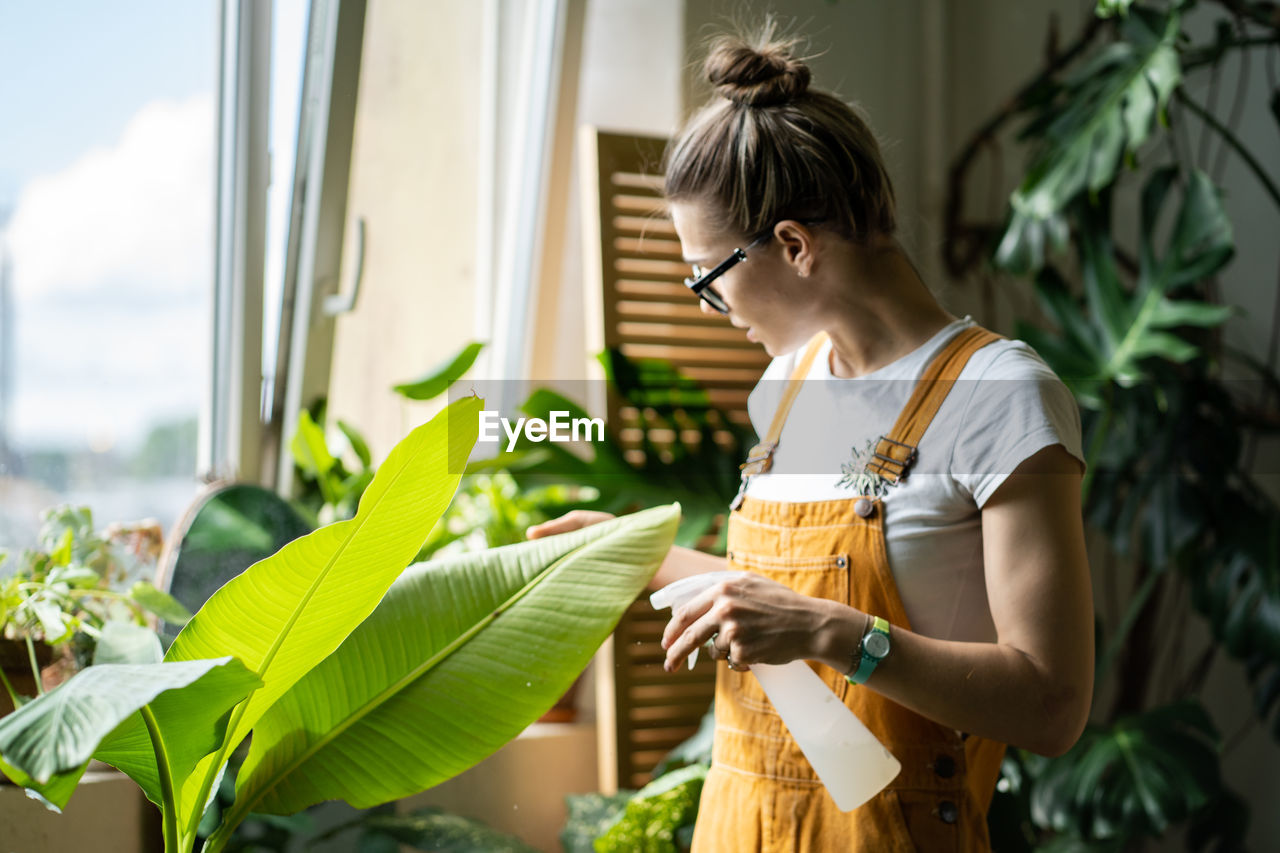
(636,301)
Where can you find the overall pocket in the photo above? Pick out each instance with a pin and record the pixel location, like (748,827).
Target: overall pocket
(818,576)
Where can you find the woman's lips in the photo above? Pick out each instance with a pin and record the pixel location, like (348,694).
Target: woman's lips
(751,334)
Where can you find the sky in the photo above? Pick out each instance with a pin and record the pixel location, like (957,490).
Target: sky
(107,159)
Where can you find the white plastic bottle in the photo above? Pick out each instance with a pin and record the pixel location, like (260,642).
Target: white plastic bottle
(844,753)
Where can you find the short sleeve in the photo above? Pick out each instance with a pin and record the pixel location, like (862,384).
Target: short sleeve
(1016,407)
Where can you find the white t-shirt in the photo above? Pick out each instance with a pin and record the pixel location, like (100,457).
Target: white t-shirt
(1006,405)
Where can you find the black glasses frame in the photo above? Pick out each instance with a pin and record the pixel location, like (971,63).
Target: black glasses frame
(700,284)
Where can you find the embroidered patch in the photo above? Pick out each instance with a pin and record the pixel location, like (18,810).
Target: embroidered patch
(854,474)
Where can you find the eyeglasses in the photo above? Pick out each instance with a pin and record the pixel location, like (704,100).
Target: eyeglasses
(700,284)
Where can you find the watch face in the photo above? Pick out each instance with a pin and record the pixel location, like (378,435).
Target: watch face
(876,644)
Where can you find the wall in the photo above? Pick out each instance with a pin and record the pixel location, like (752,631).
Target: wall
(414,179)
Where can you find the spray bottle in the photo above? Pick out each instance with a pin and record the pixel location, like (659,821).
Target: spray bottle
(844,753)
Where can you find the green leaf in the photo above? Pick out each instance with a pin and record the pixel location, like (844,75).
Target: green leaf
(1106,110)
(437,381)
(440,832)
(358,445)
(1109,8)
(1137,777)
(1168,314)
(61,729)
(290,611)
(55,793)
(311,452)
(160,603)
(460,657)
(125,642)
(590,816)
(658,810)
(203,708)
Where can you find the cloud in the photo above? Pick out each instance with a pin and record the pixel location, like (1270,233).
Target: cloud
(112,275)
(137,216)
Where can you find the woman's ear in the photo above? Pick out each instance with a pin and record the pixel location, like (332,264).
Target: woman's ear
(798,243)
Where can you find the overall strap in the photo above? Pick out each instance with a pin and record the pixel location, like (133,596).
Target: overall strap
(760,457)
(896,451)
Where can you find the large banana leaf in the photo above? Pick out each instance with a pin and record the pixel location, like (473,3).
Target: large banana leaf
(1108,337)
(61,730)
(458,659)
(287,613)
(1137,777)
(1106,110)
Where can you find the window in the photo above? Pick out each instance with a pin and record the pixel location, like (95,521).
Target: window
(106,255)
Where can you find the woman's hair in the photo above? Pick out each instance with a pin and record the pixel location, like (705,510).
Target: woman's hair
(767,148)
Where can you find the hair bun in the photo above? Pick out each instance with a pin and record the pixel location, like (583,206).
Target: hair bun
(757,76)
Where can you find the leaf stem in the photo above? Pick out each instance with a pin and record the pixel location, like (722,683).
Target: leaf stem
(169,810)
(35,667)
(1117,641)
(13,694)
(1231,139)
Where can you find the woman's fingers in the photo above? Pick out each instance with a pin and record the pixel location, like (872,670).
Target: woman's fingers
(691,638)
(574,520)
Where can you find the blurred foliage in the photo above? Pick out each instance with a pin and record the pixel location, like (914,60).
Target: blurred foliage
(86,593)
(1140,341)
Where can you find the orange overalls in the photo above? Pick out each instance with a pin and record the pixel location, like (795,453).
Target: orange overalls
(761,793)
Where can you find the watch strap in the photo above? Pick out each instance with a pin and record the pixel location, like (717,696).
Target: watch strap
(866,661)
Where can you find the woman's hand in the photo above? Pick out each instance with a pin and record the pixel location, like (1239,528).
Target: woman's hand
(753,620)
(574,520)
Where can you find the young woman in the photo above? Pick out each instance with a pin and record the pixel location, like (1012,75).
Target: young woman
(911,521)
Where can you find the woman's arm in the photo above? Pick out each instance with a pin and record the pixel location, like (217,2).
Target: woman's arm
(1031,688)
(679,563)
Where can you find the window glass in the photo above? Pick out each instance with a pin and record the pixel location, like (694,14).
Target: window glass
(107,167)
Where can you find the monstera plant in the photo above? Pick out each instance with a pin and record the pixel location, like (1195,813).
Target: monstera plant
(357,678)
(1135,325)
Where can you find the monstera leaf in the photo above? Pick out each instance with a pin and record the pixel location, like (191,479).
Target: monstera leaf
(1102,113)
(460,656)
(1108,336)
(1136,777)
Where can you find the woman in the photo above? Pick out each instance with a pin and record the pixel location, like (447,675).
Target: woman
(911,522)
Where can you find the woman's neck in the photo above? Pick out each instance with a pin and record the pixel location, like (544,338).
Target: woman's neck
(884,313)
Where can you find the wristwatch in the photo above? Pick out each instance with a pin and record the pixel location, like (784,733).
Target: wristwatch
(873,649)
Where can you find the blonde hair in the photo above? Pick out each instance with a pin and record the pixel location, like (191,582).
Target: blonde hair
(767,148)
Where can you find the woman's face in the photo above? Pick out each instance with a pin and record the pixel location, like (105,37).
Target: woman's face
(765,294)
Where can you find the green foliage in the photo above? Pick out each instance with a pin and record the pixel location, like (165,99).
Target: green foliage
(1116,329)
(696,467)
(431,829)
(311,651)
(1136,777)
(1083,127)
(436,381)
(76,584)
(590,816)
(331,490)
(1140,342)
(653,818)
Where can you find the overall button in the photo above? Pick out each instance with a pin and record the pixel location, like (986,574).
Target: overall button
(842,562)
(863,507)
(948,812)
(944,766)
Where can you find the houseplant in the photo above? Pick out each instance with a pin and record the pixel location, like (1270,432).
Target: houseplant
(80,596)
(357,681)
(1170,493)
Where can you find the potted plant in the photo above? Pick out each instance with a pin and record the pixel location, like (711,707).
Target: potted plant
(359,679)
(80,596)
